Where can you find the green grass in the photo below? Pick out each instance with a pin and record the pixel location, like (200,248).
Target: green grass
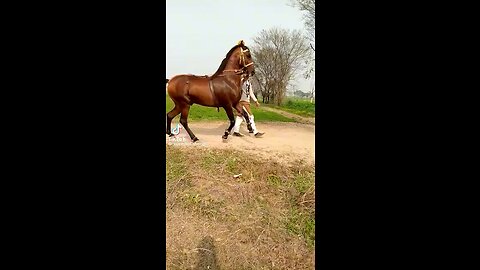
(176,167)
(302,107)
(274,180)
(203,205)
(198,112)
(300,223)
(304,181)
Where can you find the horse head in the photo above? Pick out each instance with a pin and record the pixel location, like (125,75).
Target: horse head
(245,60)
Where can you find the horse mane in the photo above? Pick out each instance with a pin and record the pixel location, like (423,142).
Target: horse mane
(221,68)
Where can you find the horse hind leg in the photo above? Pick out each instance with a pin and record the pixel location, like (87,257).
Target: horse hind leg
(170,115)
(184,122)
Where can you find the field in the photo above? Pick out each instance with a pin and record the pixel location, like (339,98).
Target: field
(264,219)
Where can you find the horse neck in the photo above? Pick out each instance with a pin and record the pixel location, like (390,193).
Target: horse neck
(231,65)
(232,77)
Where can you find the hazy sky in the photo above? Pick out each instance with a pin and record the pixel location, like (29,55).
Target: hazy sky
(201,32)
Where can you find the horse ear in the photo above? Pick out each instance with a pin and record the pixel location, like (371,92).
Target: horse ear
(241,43)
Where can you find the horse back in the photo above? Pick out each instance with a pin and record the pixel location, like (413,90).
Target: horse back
(191,89)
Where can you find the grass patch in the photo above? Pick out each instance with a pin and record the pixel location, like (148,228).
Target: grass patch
(198,112)
(216,161)
(232,164)
(304,181)
(211,161)
(202,204)
(274,180)
(296,106)
(176,166)
(300,223)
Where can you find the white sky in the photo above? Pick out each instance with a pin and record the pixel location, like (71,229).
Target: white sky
(201,32)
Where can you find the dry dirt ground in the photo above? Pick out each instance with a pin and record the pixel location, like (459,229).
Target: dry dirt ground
(286,141)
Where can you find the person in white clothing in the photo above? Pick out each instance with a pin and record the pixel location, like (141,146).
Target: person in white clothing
(247,93)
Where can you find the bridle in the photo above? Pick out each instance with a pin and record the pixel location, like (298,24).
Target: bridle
(242,58)
(241,62)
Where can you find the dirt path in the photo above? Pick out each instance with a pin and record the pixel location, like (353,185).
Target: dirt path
(300,119)
(283,141)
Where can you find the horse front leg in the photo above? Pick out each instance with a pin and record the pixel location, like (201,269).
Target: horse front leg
(229,111)
(245,114)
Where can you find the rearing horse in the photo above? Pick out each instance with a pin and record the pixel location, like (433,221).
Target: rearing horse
(222,89)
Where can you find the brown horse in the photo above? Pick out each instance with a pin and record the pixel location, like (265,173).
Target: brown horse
(222,89)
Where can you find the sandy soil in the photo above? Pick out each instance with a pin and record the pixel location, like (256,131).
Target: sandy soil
(284,141)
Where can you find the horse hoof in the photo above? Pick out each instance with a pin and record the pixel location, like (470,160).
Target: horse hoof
(225,137)
(195,139)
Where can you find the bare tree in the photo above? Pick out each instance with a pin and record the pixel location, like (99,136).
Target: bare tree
(279,56)
(264,69)
(308,9)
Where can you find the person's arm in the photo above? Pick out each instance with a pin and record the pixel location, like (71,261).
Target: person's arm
(253,96)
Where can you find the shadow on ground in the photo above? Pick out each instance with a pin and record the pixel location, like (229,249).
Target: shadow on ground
(207,255)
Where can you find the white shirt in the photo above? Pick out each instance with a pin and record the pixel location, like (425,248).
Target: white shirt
(247,92)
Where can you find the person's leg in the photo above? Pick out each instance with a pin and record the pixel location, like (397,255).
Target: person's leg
(236,127)
(255,130)
(252,121)
(246,107)
(243,112)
